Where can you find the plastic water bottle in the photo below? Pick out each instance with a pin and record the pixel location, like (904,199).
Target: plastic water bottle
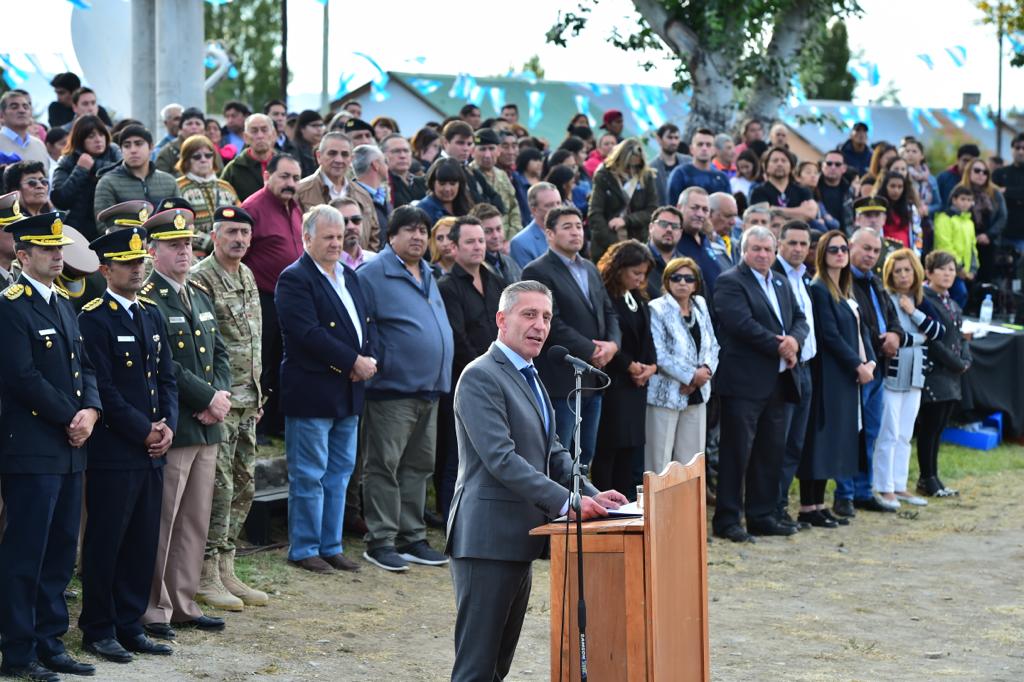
(985,316)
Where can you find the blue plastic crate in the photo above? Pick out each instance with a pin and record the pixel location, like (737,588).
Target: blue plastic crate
(990,435)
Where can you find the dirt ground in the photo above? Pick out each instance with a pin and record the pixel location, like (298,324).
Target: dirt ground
(936,597)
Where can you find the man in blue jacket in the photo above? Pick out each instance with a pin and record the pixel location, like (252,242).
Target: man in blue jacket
(413,344)
(326,362)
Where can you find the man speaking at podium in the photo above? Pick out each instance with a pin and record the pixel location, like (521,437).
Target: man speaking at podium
(514,475)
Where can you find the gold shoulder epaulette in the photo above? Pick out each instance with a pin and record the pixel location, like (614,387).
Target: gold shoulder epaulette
(146,300)
(146,288)
(199,285)
(14,291)
(92,305)
(62,291)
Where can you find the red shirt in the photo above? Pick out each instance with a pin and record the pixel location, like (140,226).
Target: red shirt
(276,237)
(896,228)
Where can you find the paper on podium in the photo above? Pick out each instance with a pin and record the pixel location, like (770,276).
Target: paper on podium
(627,510)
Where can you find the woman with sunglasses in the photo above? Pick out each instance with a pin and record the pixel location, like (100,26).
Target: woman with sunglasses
(623,198)
(88,151)
(28,179)
(845,362)
(989,214)
(199,185)
(686,354)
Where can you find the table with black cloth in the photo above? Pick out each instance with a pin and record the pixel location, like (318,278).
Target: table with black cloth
(994,381)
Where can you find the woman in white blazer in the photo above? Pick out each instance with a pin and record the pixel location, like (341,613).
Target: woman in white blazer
(687,353)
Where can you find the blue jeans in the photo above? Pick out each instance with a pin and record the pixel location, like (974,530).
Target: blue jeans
(590,406)
(859,487)
(321,454)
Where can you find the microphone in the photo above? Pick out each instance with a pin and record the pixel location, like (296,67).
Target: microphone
(559,355)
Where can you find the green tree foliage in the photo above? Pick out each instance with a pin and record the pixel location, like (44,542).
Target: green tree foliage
(732,55)
(533,65)
(1005,15)
(250,31)
(823,63)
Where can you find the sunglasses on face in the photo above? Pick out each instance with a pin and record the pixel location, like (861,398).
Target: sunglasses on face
(842,248)
(668,225)
(982,171)
(834,164)
(354,220)
(199,156)
(34,182)
(676,279)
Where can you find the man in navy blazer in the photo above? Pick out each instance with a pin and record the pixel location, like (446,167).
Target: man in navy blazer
(322,314)
(761,330)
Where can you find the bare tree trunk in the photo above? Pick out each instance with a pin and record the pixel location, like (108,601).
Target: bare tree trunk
(788,37)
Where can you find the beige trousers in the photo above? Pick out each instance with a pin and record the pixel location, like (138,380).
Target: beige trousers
(673,435)
(184,522)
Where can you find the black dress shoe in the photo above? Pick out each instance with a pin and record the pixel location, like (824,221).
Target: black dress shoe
(785,519)
(871,504)
(208,623)
(842,521)
(32,671)
(735,533)
(770,527)
(817,519)
(159,630)
(141,644)
(109,649)
(63,663)
(844,508)
(929,487)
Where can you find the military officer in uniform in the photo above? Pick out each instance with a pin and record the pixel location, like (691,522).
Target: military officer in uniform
(236,302)
(125,337)
(50,406)
(9,212)
(126,214)
(204,399)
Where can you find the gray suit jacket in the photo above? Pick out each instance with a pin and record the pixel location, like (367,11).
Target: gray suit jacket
(512,476)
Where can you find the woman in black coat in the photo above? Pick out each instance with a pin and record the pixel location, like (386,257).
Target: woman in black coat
(845,361)
(949,357)
(87,152)
(619,457)
(623,198)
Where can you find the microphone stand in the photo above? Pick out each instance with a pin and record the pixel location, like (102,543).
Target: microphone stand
(576,502)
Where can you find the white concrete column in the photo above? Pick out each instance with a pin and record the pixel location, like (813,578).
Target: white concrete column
(178,48)
(143,65)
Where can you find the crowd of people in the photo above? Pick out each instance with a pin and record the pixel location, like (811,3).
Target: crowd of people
(328,280)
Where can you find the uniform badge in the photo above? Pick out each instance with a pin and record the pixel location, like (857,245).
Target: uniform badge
(179,222)
(135,243)
(228,213)
(143,215)
(113,305)
(57,228)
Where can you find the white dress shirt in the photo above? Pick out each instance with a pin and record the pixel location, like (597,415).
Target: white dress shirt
(803,299)
(338,284)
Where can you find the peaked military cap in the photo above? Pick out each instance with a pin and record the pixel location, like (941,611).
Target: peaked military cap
(232,214)
(354,124)
(126,214)
(9,209)
(175,223)
(174,202)
(122,246)
(45,229)
(870,205)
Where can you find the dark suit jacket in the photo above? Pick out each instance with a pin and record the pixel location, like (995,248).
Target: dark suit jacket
(199,356)
(749,359)
(513,476)
(46,377)
(577,319)
(862,294)
(471,315)
(136,382)
(320,343)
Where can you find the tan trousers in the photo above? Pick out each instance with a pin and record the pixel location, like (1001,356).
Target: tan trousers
(674,435)
(184,522)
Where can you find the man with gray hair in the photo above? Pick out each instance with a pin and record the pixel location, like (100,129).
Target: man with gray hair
(514,475)
(370,190)
(170,116)
(330,181)
(756,215)
(15,135)
(723,221)
(725,155)
(695,207)
(532,242)
(245,171)
(761,329)
(324,324)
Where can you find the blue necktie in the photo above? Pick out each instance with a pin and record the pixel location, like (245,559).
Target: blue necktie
(530,374)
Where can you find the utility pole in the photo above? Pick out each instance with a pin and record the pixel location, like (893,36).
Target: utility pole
(999,88)
(324,97)
(284,52)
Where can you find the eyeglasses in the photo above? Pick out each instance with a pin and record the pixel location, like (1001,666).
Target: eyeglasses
(676,279)
(354,220)
(668,225)
(37,182)
(833,250)
(199,156)
(982,171)
(834,164)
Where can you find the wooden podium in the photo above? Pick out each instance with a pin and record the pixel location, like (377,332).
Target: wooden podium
(646,587)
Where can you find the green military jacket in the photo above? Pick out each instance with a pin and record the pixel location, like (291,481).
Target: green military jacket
(236,302)
(200,356)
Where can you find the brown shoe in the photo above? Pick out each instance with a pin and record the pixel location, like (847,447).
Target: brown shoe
(341,562)
(314,564)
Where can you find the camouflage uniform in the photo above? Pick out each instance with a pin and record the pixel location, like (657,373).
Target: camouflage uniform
(237,307)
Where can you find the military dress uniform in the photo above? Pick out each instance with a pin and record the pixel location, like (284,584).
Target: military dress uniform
(124,486)
(9,212)
(201,363)
(46,378)
(236,302)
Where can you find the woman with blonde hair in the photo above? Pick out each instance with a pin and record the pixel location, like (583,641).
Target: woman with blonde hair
(845,362)
(199,164)
(623,198)
(903,278)
(989,214)
(686,354)
(442,250)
